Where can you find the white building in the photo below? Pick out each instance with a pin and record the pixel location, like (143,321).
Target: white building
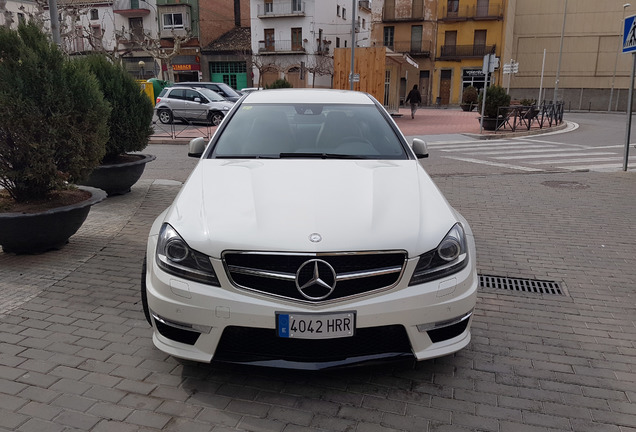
(12,12)
(294,39)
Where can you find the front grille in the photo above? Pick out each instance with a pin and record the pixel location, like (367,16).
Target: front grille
(275,274)
(245,344)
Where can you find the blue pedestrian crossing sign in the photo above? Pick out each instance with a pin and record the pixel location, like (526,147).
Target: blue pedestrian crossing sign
(629,34)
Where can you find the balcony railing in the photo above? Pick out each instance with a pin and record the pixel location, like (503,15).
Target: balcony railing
(418,48)
(491,11)
(279,47)
(131,8)
(281,9)
(389,14)
(465,51)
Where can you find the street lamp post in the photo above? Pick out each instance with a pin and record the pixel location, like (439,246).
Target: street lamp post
(620,47)
(556,83)
(142,64)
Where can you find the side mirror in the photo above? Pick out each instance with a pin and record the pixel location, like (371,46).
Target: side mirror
(420,148)
(197,99)
(196,147)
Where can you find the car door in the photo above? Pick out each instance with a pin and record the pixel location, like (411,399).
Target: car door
(195,107)
(176,102)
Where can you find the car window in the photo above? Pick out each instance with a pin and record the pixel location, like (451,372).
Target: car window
(309,131)
(177,94)
(212,96)
(228,91)
(191,94)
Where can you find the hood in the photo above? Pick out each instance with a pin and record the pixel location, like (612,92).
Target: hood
(275,205)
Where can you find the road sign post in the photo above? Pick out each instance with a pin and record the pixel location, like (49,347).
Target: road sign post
(629,46)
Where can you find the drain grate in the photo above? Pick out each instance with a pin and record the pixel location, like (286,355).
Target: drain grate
(521,285)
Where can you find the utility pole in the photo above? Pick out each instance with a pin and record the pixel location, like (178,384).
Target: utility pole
(353,40)
(55,23)
(556,83)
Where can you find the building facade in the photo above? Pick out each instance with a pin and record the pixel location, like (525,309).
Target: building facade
(467,30)
(406,27)
(294,39)
(593,74)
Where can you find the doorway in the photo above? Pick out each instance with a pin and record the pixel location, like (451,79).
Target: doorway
(445,86)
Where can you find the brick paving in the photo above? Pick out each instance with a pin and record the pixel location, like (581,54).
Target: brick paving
(76,353)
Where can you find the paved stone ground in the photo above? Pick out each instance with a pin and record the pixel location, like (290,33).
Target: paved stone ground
(76,352)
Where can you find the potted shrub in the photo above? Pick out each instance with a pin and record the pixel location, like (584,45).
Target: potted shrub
(469,98)
(129,124)
(496,97)
(53,132)
(279,83)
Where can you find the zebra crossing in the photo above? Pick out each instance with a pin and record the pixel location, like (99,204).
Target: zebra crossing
(536,155)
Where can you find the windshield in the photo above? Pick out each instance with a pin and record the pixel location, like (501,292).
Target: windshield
(308,131)
(211,95)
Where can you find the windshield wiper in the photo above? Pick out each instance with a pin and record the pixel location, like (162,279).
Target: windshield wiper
(245,157)
(320,156)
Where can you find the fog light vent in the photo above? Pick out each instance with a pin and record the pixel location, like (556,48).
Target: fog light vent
(521,285)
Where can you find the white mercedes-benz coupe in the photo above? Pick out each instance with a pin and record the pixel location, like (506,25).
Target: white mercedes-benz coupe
(309,236)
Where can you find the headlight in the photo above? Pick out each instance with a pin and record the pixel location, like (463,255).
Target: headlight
(450,256)
(174,256)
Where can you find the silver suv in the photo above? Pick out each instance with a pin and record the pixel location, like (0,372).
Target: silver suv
(196,105)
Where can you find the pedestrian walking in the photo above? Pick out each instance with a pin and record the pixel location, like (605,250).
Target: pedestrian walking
(415,98)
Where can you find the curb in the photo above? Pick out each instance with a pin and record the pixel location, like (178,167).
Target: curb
(506,135)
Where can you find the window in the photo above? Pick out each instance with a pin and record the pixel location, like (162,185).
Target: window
(297,6)
(337,42)
(416,38)
(338,10)
(21,19)
(269,6)
(269,40)
(297,39)
(94,14)
(344,13)
(173,21)
(479,47)
(452,7)
(364,23)
(136,28)
(389,31)
(96,35)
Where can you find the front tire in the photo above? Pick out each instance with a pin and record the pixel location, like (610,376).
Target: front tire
(165,116)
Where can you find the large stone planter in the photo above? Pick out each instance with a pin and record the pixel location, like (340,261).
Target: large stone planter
(24,233)
(117,179)
(492,123)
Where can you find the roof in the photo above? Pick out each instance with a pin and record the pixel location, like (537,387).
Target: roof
(301,95)
(237,39)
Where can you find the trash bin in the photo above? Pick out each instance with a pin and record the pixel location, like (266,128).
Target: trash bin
(157,86)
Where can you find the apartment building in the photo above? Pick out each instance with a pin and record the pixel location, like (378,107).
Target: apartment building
(407,27)
(593,73)
(294,39)
(226,42)
(467,30)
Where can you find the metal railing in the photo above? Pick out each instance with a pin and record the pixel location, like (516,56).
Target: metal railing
(413,47)
(277,9)
(279,46)
(526,117)
(491,11)
(465,51)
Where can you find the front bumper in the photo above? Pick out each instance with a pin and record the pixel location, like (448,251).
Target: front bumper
(204,323)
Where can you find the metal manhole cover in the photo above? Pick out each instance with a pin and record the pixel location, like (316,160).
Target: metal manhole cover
(521,285)
(564,184)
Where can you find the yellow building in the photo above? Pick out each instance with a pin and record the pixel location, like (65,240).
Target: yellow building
(466,31)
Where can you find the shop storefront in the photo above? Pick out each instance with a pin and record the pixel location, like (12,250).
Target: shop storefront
(186,68)
(475,78)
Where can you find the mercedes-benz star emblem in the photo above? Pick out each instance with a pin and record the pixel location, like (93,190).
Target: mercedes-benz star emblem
(315,237)
(315,279)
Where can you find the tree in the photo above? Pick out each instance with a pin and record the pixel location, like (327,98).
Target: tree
(53,128)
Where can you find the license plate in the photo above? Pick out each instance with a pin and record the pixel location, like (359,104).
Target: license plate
(316,326)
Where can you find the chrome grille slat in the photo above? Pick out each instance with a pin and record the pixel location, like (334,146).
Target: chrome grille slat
(275,273)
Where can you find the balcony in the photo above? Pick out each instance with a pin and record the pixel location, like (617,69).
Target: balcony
(131,8)
(364,4)
(492,11)
(458,52)
(292,8)
(413,48)
(389,14)
(279,47)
